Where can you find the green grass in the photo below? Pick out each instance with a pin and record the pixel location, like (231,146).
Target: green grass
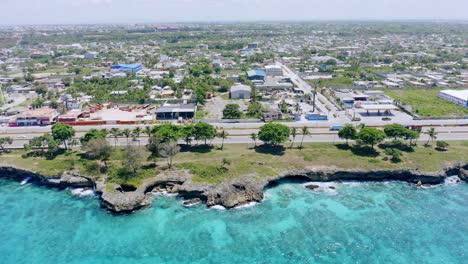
(426,102)
(336,81)
(207,164)
(200,114)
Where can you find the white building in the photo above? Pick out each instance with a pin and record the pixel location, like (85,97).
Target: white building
(274,70)
(240,91)
(459,97)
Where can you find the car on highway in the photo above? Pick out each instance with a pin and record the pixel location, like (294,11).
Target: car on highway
(336,127)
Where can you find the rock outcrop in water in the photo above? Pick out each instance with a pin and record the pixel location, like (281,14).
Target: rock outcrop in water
(125,199)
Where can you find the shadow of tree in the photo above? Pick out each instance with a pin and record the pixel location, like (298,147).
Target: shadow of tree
(270,149)
(365,151)
(196,148)
(343,147)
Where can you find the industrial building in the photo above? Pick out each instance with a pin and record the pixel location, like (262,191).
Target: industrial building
(256,75)
(274,70)
(240,91)
(37,117)
(126,68)
(176,111)
(459,97)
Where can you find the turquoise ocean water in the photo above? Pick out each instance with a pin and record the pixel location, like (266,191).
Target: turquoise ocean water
(359,223)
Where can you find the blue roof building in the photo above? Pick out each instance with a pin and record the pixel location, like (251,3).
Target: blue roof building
(127,68)
(256,75)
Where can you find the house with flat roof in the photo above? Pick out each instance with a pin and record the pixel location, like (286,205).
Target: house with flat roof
(256,75)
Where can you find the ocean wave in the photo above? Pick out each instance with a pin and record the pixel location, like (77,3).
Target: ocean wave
(217,207)
(248,205)
(81,192)
(325,187)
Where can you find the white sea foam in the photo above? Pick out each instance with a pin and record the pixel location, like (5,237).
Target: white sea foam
(165,194)
(248,205)
(26,180)
(218,207)
(82,192)
(452,180)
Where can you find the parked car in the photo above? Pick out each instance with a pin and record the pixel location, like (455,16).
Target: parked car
(336,127)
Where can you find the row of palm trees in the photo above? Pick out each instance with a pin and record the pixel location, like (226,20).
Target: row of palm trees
(294,132)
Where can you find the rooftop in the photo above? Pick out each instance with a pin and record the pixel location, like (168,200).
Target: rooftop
(42,112)
(461,94)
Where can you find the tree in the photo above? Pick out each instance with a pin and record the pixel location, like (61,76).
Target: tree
(431,132)
(223,135)
(412,136)
(5,141)
(297,108)
(136,132)
(347,132)
(204,131)
(395,131)
(148,131)
(127,133)
(115,133)
(133,157)
(442,145)
(231,111)
(62,133)
(98,149)
(255,109)
(167,132)
(154,145)
(305,132)
(186,133)
(274,134)
(293,134)
(92,134)
(254,137)
(370,136)
(169,150)
(394,153)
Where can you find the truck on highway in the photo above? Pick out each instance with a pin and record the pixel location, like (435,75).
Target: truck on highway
(336,127)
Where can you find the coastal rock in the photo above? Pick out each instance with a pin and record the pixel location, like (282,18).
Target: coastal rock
(70,179)
(463,174)
(124,202)
(312,186)
(192,202)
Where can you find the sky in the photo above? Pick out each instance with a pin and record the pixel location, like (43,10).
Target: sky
(168,11)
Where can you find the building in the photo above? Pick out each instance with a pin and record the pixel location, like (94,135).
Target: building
(252,45)
(459,97)
(37,117)
(72,116)
(274,70)
(176,111)
(126,68)
(240,91)
(256,75)
(91,55)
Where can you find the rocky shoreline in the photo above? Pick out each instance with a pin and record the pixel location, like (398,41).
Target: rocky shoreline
(123,199)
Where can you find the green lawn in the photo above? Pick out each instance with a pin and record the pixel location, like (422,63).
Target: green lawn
(243,161)
(426,102)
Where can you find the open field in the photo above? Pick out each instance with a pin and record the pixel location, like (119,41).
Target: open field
(426,102)
(242,160)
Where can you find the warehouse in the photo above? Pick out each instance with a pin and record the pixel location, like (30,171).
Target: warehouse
(126,68)
(240,91)
(176,111)
(459,97)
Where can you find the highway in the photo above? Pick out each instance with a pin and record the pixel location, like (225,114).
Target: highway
(22,136)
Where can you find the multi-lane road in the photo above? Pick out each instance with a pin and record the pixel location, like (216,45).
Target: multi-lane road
(238,133)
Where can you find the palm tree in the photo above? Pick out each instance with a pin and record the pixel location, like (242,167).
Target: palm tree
(305,132)
(115,133)
(148,131)
(293,134)
(126,132)
(431,132)
(297,108)
(254,137)
(223,135)
(136,133)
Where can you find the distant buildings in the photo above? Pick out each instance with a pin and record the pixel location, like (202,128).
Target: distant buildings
(240,91)
(91,55)
(256,75)
(37,117)
(274,70)
(252,45)
(176,111)
(126,68)
(459,97)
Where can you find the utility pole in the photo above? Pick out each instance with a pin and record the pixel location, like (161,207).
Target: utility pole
(314,94)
